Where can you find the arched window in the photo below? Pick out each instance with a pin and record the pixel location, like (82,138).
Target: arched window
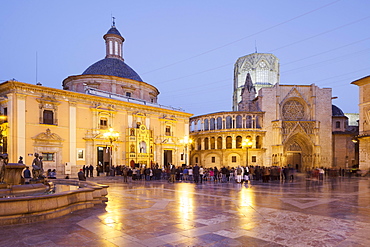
(238,142)
(192,127)
(258,142)
(219,123)
(206,125)
(199,142)
(229,123)
(337,124)
(249,122)
(199,125)
(229,142)
(258,122)
(213,143)
(219,142)
(239,121)
(212,124)
(206,143)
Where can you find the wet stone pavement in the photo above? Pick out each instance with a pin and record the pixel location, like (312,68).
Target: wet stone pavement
(335,212)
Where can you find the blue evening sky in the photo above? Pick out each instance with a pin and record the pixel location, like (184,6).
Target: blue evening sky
(187,49)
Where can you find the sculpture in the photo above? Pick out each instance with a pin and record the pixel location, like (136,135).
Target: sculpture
(3,162)
(37,166)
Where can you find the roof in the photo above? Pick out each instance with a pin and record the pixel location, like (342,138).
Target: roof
(112,67)
(113,30)
(336,111)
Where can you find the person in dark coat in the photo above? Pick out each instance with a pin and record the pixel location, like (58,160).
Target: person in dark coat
(91,169)
(196,173)
(81,175)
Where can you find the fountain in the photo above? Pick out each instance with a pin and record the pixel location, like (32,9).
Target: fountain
(25,203)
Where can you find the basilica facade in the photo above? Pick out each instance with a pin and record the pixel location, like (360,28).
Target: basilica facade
(278,125)
(106,116)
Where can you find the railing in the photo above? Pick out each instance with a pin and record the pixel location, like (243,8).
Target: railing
(98,92)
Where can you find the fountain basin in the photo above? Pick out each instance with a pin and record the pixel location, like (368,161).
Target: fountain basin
(28,209)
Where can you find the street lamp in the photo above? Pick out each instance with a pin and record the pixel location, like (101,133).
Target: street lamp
(186,141)
(112,136)
(247,143)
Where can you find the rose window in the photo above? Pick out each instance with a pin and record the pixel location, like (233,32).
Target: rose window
(293,110)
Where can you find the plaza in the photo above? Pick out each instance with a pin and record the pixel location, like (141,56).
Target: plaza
(305,212)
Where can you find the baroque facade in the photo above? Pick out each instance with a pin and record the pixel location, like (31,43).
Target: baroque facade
(72,127)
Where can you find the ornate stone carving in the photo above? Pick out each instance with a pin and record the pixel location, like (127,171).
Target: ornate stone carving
(293,110)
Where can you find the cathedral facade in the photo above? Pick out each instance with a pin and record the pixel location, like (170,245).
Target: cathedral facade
(272,124)
(106,116)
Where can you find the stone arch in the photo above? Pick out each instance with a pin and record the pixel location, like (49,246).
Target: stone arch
(209,161)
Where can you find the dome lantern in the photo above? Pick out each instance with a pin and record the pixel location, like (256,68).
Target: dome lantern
(113,42)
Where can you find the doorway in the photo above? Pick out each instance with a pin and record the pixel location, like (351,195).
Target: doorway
(294,160)
(103,158)
(167,157)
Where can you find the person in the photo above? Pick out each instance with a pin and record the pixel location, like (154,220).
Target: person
(201,174)
(124,174)
(20,161)
(27,175)
(91,169)
(81,175)
(173,174)
(196,173)
(53,174)
(239,174)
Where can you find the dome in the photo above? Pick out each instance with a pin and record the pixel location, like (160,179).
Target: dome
(336,111)
(112,67)
(113,30)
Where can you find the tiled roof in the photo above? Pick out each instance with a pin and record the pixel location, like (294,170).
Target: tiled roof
(113,30)
(336,111)
(113,67)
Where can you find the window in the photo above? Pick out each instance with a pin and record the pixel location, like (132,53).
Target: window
(196,159)
(219,142)
(238,142)
(213,143)
(48,156)
(103,123)
(128,94)
(168,130)
(80,154)
(48,117)
(233,159)
(182,157)
(229,142)
(213,159)
(254,158)
(206,143)
(337,124)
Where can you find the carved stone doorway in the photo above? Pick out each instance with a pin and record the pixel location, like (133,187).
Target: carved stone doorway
(294,159)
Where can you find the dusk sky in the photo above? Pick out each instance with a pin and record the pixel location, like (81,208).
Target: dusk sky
(187,49)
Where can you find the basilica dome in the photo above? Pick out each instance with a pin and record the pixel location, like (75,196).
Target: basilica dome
(112,67)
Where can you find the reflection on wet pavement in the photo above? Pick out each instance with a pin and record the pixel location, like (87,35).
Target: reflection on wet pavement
(156,213)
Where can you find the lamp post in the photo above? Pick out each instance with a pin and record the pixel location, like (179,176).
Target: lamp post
(247,143)
(186,141)
(112,136)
